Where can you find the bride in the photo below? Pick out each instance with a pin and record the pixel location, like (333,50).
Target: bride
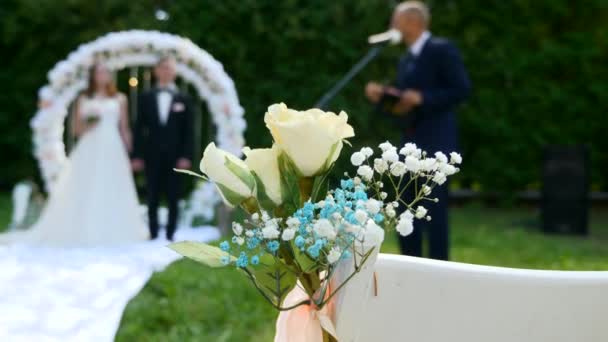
(94,202)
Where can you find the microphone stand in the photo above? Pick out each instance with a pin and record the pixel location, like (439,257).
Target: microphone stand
(371,54)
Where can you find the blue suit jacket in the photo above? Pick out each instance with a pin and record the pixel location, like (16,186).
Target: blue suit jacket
(439,73)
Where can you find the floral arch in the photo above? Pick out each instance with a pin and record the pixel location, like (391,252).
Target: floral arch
(119,50)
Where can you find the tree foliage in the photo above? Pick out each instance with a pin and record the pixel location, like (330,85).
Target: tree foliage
(537,69)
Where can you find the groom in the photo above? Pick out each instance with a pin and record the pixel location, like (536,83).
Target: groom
(163,141)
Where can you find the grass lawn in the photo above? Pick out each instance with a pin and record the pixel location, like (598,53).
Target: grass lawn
(189,302)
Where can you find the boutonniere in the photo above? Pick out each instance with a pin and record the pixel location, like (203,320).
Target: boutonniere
(178,107)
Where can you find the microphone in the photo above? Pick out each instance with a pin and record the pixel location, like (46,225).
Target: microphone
(392,36)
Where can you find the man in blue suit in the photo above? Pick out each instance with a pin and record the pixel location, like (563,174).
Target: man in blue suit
(431,81)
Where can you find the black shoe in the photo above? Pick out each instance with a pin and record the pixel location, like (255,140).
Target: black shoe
(170,238)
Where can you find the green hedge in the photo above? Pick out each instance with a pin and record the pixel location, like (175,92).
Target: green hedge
(537,66)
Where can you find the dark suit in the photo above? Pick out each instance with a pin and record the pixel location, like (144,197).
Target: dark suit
(439,73)
(160,146)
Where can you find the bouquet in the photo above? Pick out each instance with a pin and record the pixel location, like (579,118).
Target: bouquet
(304,241)
(91,118)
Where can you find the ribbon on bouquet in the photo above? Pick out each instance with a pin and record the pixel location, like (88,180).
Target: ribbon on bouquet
(305,323)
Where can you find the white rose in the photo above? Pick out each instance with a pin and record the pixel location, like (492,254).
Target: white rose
(312,139)
(264,163)
(230,174)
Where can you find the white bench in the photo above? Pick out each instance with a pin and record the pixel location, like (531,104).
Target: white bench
(421,300)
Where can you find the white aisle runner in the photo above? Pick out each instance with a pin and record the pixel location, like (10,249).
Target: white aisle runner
(77,294)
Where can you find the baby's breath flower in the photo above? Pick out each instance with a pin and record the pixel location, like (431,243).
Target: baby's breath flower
(441,157)
(408,149)
(380,165)
(420,212)
(237,228)
(367,152)
(455,158)
(398,169)
(357,158)
(288,234)
(390,156)
(385,146)
(439,178)
(334,255)
(412,164)
(405,225)
(365,172)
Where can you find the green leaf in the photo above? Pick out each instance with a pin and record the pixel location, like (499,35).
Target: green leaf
(290,189)
(307,264)
(231,196)
(261,194)
(201,252)
(191,173)
(320,186)
(274,277)
(241,173)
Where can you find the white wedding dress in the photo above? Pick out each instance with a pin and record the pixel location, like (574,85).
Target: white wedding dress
(94,202)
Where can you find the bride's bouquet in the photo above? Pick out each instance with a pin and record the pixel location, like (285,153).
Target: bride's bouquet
(91,117)
(305,244)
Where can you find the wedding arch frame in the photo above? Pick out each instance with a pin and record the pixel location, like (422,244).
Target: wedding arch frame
(120,50)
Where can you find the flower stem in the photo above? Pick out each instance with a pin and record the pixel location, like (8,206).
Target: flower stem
(305,184)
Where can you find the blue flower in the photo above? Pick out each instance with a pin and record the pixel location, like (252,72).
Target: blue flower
(346,254)
(255,260)
(253,242)
(242,260)
(225,259)
(378,218)
(313,251)
(273,246)
(300,241)
(347,184)
(350,218)
(360,195)
(225,246)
